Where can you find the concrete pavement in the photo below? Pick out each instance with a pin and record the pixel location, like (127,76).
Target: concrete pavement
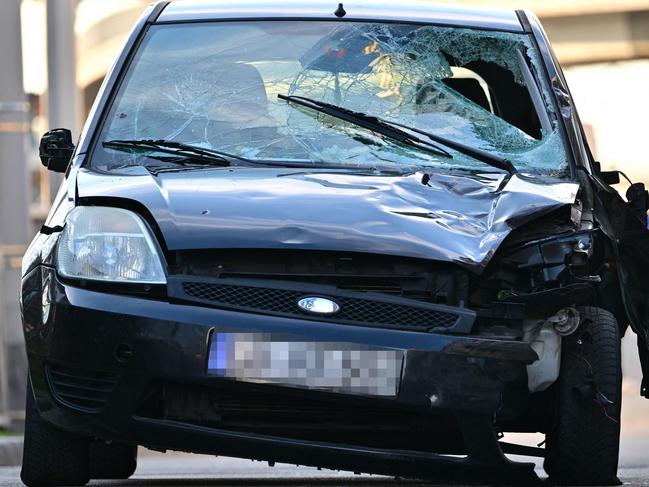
(11,450)
(177,469)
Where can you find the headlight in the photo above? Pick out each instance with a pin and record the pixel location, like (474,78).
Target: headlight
(108,244)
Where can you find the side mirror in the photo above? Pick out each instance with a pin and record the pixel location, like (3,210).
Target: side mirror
(609,177)
(56,149)
(638,199)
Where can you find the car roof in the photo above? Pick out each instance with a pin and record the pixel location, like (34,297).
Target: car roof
(405,11)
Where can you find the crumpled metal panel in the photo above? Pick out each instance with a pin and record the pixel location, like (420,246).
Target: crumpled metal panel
(456,218)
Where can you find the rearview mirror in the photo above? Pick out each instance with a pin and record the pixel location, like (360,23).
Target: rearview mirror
(56,149)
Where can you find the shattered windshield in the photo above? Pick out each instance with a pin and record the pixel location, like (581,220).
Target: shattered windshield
(217,86)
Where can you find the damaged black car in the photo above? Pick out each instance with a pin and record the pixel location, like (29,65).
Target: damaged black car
(361,238)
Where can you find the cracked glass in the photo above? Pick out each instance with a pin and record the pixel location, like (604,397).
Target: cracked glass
(216,85)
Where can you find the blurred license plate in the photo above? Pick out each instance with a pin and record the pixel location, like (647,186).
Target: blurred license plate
(345,367)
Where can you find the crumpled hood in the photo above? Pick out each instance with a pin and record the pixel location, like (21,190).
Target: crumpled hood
(455,218)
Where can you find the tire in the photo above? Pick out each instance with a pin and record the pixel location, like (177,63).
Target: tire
(582,444)
(51,456)
(112,460)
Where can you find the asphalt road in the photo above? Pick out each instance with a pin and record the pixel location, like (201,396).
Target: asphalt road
(175,469)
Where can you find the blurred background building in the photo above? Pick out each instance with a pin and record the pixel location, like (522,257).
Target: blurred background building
(68,46)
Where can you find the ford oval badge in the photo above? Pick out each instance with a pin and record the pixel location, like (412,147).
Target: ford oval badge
(314,304)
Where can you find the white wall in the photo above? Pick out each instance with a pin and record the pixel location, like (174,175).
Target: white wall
(613,98)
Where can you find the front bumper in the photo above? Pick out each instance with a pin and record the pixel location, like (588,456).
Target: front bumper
(143,342)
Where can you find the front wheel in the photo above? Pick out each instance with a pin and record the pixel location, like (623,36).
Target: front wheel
(112,460)
(51,456)
(583,441)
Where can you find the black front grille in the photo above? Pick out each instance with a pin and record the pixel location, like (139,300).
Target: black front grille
(83,389)
(353,310)
(267,299)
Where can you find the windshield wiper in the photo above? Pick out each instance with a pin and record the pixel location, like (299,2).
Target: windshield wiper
(369,122)
(392,130)
(199,155)
(212,157)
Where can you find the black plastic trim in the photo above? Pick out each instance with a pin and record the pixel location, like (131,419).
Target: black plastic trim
(525,23)
(157,10)
(463,323)
(329,19)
